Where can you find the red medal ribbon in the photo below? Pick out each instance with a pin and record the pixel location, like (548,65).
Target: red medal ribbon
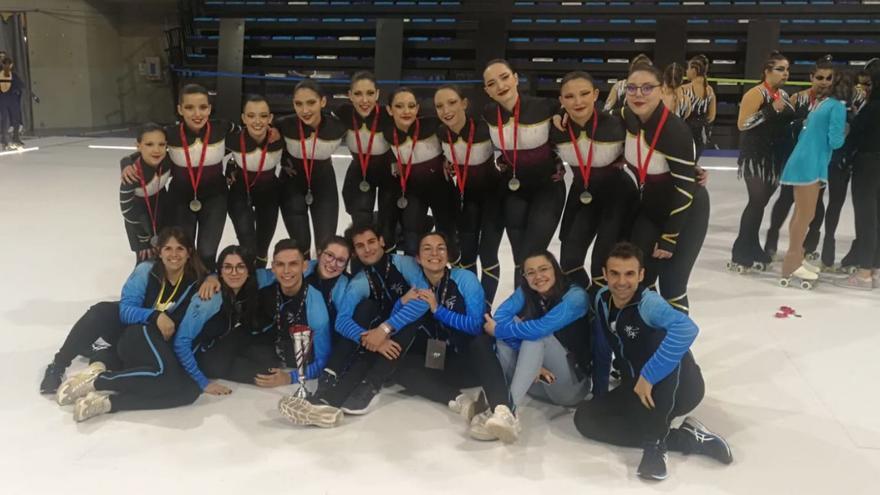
(152,211)
(774,94)
(515,135)
(406,170)
(643,166)
(462,173)
(248,185)
(308,162)
(194,178)
(364,158)
(585,169)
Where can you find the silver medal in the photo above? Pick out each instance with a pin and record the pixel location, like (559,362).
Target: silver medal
(513,184)
(586,198)
(402,202)
(310,198)
(195,205)
(154,241)
(364,186)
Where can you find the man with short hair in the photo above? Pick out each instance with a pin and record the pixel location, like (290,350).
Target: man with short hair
(660,381)
(375,333)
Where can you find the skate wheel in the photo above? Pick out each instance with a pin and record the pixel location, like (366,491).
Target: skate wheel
(730,266)
(759,266)
(812,256)
(740,269)
(849,270)
(806,285)
(784,282)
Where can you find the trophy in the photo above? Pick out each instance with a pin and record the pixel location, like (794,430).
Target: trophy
(302,347)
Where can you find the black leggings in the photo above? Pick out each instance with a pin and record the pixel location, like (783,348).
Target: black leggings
(353,364)
(254,225)
(324,211)
(101,321)
(780,212)
(866,202)
(472,363)
(442,201)
(601,220)
(838,182)
(531,216)
(480,229)
(204,226)
(747,246)
(238,357)
(619,418)
(150,376)
(361,205)
(674,273)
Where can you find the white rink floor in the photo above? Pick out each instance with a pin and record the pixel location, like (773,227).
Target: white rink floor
(796,398)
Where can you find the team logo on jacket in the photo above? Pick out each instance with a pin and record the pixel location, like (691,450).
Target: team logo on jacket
(450,303)
(631,331)
(398,289)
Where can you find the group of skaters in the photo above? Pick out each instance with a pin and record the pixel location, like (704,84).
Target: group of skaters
(819,138)
(407,298)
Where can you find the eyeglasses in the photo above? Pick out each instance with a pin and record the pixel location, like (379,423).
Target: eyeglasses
(823,78)
(780,68)
(646,89)
(239,268)
(541,270)
(330,258)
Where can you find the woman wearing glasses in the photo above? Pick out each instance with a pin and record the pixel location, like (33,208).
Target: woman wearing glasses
(600,192)
(821,77)
(764,117)
(673,212)
(216,336)
(328,275)
(543,340)
(532,176)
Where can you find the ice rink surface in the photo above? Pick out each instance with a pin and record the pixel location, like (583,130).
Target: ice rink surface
(796,398)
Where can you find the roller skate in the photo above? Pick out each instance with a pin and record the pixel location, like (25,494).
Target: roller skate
(812,256)
(742,269)
(848,269)
(802,277)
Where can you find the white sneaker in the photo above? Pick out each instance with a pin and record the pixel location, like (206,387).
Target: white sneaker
(504,424)
(93,404)
(478,430)
(302,412)
(79,385)
(467,407)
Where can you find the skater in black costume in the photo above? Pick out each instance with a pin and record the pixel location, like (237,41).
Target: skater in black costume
(253,195)
(519,126)
(600,192)
(469,153)
(765,142)
(370,173)
(308,181)
(702,103)
(673,212)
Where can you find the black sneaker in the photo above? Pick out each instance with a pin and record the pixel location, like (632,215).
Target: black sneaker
(653,465)
(703,442)
(51,379)
(362,399)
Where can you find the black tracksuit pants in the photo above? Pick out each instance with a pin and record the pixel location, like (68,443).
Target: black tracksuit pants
(238,357)
(101,321)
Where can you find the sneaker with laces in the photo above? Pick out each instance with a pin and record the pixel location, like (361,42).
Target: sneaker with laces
(504,424)
(702,441)
(79,385)
(362,400)
(93,404)
(52,379)
(653,464)
(478,430)
(303,413)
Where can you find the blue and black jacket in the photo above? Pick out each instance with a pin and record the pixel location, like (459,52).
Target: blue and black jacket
(510,327)
(648,335)
(333,290)
(141,290)
(460,305)
(385,282)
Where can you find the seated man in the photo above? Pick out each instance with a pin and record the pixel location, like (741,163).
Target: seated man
(661,380)
(375,333)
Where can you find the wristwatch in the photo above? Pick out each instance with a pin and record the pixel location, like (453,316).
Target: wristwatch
(386,328)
